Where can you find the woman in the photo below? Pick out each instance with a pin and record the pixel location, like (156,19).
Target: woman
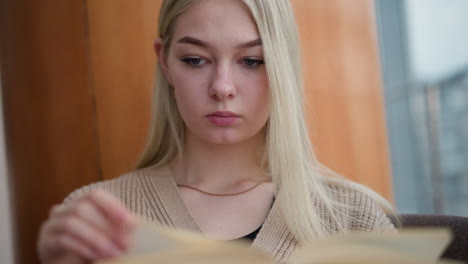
(229,154)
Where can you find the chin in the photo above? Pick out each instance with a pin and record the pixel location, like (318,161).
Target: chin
(225,139)
(224,136)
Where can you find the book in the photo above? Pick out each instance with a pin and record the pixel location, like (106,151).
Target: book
(154,244)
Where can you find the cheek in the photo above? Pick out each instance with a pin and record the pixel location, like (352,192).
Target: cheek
(264,101)
(254,93)
(188,92)
(188,101)
(264,106)
(258,94)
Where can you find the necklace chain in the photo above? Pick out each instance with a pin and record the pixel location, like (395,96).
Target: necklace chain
(221,194)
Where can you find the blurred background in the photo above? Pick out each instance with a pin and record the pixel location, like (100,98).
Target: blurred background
(424,55)
(386,92)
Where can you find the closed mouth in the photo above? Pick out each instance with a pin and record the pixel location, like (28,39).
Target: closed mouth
(223,114)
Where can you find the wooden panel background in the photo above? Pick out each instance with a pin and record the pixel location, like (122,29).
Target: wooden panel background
(77,79)
(123,60)
(343,89)
(48,108)
(77,85)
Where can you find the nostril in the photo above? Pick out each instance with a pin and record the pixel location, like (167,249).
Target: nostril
(218,93)
(214,96)
(222,88)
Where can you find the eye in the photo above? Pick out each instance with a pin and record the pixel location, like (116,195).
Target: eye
(193,61)
(252,62)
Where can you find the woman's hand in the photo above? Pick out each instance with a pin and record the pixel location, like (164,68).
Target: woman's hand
(94,226)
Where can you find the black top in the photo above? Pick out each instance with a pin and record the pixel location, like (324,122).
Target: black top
(252,235)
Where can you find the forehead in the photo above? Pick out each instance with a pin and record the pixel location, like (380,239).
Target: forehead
(217,21)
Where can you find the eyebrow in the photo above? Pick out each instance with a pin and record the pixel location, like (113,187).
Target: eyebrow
(198,42)
(252,43)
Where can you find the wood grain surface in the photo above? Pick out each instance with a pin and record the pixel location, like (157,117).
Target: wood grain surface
(343,89)
(49,110)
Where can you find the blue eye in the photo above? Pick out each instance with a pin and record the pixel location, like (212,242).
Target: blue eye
(252,63)
(193,61)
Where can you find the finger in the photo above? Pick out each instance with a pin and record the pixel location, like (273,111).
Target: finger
(49,227)
(120,217)
(57,210)
(85,208)
(88,212)
(50,244)
(73,246)
(99,208)
(99,242)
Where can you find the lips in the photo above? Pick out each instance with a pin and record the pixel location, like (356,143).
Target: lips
(224,114)
(223,118)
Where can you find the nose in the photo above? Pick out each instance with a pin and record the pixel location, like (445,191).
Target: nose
(223,85)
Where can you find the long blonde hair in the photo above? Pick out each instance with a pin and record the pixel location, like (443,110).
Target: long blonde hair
(295,171)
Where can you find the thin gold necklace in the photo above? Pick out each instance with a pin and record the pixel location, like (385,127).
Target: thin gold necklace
(220,194)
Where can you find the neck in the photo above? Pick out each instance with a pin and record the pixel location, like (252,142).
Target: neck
(219,165)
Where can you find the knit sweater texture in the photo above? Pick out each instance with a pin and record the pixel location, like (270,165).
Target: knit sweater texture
(152,194)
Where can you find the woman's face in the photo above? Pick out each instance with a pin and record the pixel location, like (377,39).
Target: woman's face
(215,64)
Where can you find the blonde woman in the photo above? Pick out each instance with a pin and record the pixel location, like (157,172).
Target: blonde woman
(229,154)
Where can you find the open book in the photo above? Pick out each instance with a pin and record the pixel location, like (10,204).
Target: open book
(157,245)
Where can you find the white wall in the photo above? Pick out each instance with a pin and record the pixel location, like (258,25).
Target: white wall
(6,245)
(437,36)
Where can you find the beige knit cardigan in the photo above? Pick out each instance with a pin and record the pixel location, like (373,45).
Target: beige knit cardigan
(152,193)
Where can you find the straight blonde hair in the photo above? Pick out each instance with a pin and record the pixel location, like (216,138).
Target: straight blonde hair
(296,173)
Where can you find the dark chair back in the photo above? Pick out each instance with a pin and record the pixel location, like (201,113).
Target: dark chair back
(458,248)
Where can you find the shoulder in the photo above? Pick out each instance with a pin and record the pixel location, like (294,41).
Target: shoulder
(359,208)
(129,188)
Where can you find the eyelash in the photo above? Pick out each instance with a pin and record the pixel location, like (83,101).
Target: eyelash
(191,61)
(257,62)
